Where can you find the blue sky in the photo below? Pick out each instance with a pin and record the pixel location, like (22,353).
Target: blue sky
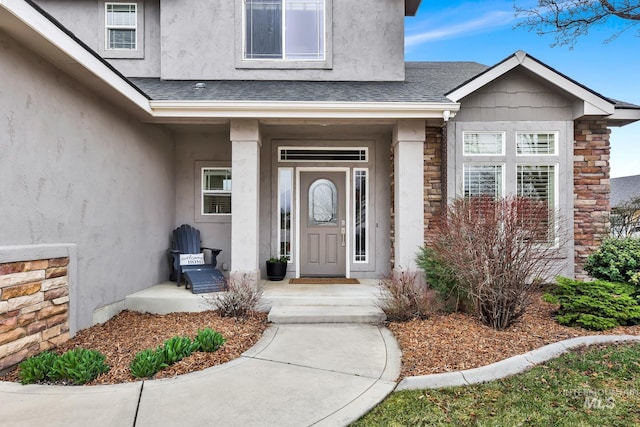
(482,31)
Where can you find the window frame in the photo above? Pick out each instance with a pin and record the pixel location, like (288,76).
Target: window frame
(365,191)
(108,28)
(261,63)
(502,145)
(283,39)
(541,132)
(103,38)
(204,192)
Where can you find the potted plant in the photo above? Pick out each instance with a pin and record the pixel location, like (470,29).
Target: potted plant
(277,268)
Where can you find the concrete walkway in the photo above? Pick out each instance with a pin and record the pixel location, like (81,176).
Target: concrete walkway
(297,375)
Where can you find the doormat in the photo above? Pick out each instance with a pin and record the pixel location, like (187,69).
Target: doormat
(324,281)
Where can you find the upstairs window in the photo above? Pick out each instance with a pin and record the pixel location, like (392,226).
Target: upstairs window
(121,26)
(284,29)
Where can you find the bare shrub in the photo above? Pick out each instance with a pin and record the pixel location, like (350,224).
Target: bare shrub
(240,300)
(500,250)
(403,297)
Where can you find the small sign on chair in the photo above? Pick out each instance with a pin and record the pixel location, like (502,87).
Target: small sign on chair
(191,259)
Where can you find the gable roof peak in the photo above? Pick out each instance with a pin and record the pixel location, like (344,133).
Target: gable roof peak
(520,56)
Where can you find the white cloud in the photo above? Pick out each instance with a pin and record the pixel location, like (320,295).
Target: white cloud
(488,21)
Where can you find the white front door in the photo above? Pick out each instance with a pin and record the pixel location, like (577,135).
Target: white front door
(323,224)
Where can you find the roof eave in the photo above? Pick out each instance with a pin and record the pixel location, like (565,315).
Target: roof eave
(411,7)
(40,33)
(301,110)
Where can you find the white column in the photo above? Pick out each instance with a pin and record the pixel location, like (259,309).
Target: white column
(408,154)
(245,199)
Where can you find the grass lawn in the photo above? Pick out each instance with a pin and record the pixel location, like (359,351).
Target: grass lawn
(591,386)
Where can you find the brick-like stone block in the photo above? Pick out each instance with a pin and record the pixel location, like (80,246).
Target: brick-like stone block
(21,302)
(11,267)
(56,293)
(26,318)
(45,345)
(61,300)
(20,344)
(54,283)
(59,262)
(12,335)
(36,307)
(8,324)
(20,290)
(57,319)
(50,311)
(40,264)
(60,339)
(56,272)
(13,359)
(52,332)
(36,327)
(20,278)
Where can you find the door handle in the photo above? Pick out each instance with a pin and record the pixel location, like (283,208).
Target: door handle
(343,231)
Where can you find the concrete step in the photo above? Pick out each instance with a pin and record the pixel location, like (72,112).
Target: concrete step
(326,314)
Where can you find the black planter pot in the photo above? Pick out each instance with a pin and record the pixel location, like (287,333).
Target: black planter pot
(276,270)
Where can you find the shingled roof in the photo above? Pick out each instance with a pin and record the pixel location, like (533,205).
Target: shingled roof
(624,188)
(424,82)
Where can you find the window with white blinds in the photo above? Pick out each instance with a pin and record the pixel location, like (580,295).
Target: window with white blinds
(536,143)
(538,182)
(483,180)
(121,26)
(216,191)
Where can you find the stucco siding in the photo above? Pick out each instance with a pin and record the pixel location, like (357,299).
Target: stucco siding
(516,96)
(196,149)
(203,40)
(86,20)
(76,170)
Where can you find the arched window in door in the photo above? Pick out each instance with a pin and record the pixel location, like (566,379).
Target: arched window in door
(323,203)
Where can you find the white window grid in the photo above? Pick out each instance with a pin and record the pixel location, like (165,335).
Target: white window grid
(550,148)
(114,26)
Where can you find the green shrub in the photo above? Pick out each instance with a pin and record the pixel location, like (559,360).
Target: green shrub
(616,260)
(147,362)
(442,279)
(78,366)
(208,340)
(37,368)
(176,348)
(595,305)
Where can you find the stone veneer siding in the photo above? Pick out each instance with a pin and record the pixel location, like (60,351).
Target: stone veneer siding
(434,184)
(591,188)
(34,308)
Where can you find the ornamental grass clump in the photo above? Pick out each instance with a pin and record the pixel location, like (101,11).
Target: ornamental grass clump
(495,252)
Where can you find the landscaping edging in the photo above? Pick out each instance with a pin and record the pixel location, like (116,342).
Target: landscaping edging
(507,367)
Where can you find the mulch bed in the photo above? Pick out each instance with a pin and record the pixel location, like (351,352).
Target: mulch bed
(120,338)
(442,343)
(445,343)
